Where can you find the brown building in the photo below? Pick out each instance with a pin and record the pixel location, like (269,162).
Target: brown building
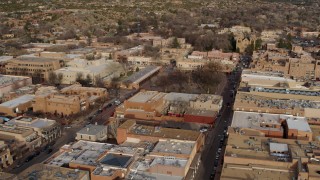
(68,101)
(158,106)
(273,125)
(48,129)
(131,130)
(59,104)
(297,64)
(37,68)
(248,157)
(42,172)
(124,54)
(17,106)
(24,135)
(93,93)
(279,101)
(5,156)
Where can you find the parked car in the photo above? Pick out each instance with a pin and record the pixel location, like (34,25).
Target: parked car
(37,153)
(212,176)
(117,102)
(29,158)
(49,151)
(204,129)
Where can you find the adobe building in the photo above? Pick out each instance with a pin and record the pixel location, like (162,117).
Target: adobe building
(58,104)
(48,129)
(70,100)
(18,105)
(269,125)
(273,125)
(37,68)
(92,92)
(159,106)
(5,156)
(24,135)
(93,133)
(297,64)
(133,131)
(43,171)
(248,157)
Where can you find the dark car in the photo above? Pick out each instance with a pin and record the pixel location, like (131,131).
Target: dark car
(212,176)
(49,151)
(29,158)
(37,153)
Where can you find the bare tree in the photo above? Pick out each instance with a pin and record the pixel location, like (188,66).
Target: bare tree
(52,79)
(59,78)
(99,82)
(125,64)
(208,77)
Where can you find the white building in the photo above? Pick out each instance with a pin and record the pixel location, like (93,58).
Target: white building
(100,68)
(93,133)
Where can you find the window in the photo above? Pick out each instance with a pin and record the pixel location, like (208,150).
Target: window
(90,137)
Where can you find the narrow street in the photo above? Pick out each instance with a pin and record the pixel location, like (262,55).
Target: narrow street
(210,165)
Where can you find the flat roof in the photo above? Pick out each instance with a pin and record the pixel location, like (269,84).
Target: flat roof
(6,80)
(174,147)
(103,171)
(173,96)
(196,112)
(5,58)
(139,76)
(300,124)
(35,59)
(87,157)
(278,147)
(31,122)
(24,131)
(255,120)
(145,96)
(80,152)
(165,133)
(17,101)
(127,124)
(276,100)
(42,171)
(241,172)
(313,170)
(169,161)
(92,129)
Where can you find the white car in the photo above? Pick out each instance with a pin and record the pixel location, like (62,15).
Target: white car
(117,102)
(202,130)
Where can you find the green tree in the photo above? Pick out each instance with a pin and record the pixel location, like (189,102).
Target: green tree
(258,43)
(175,43)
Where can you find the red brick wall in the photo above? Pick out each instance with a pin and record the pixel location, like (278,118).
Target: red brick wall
(199,119)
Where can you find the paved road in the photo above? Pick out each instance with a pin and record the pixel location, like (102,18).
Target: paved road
(216,137)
